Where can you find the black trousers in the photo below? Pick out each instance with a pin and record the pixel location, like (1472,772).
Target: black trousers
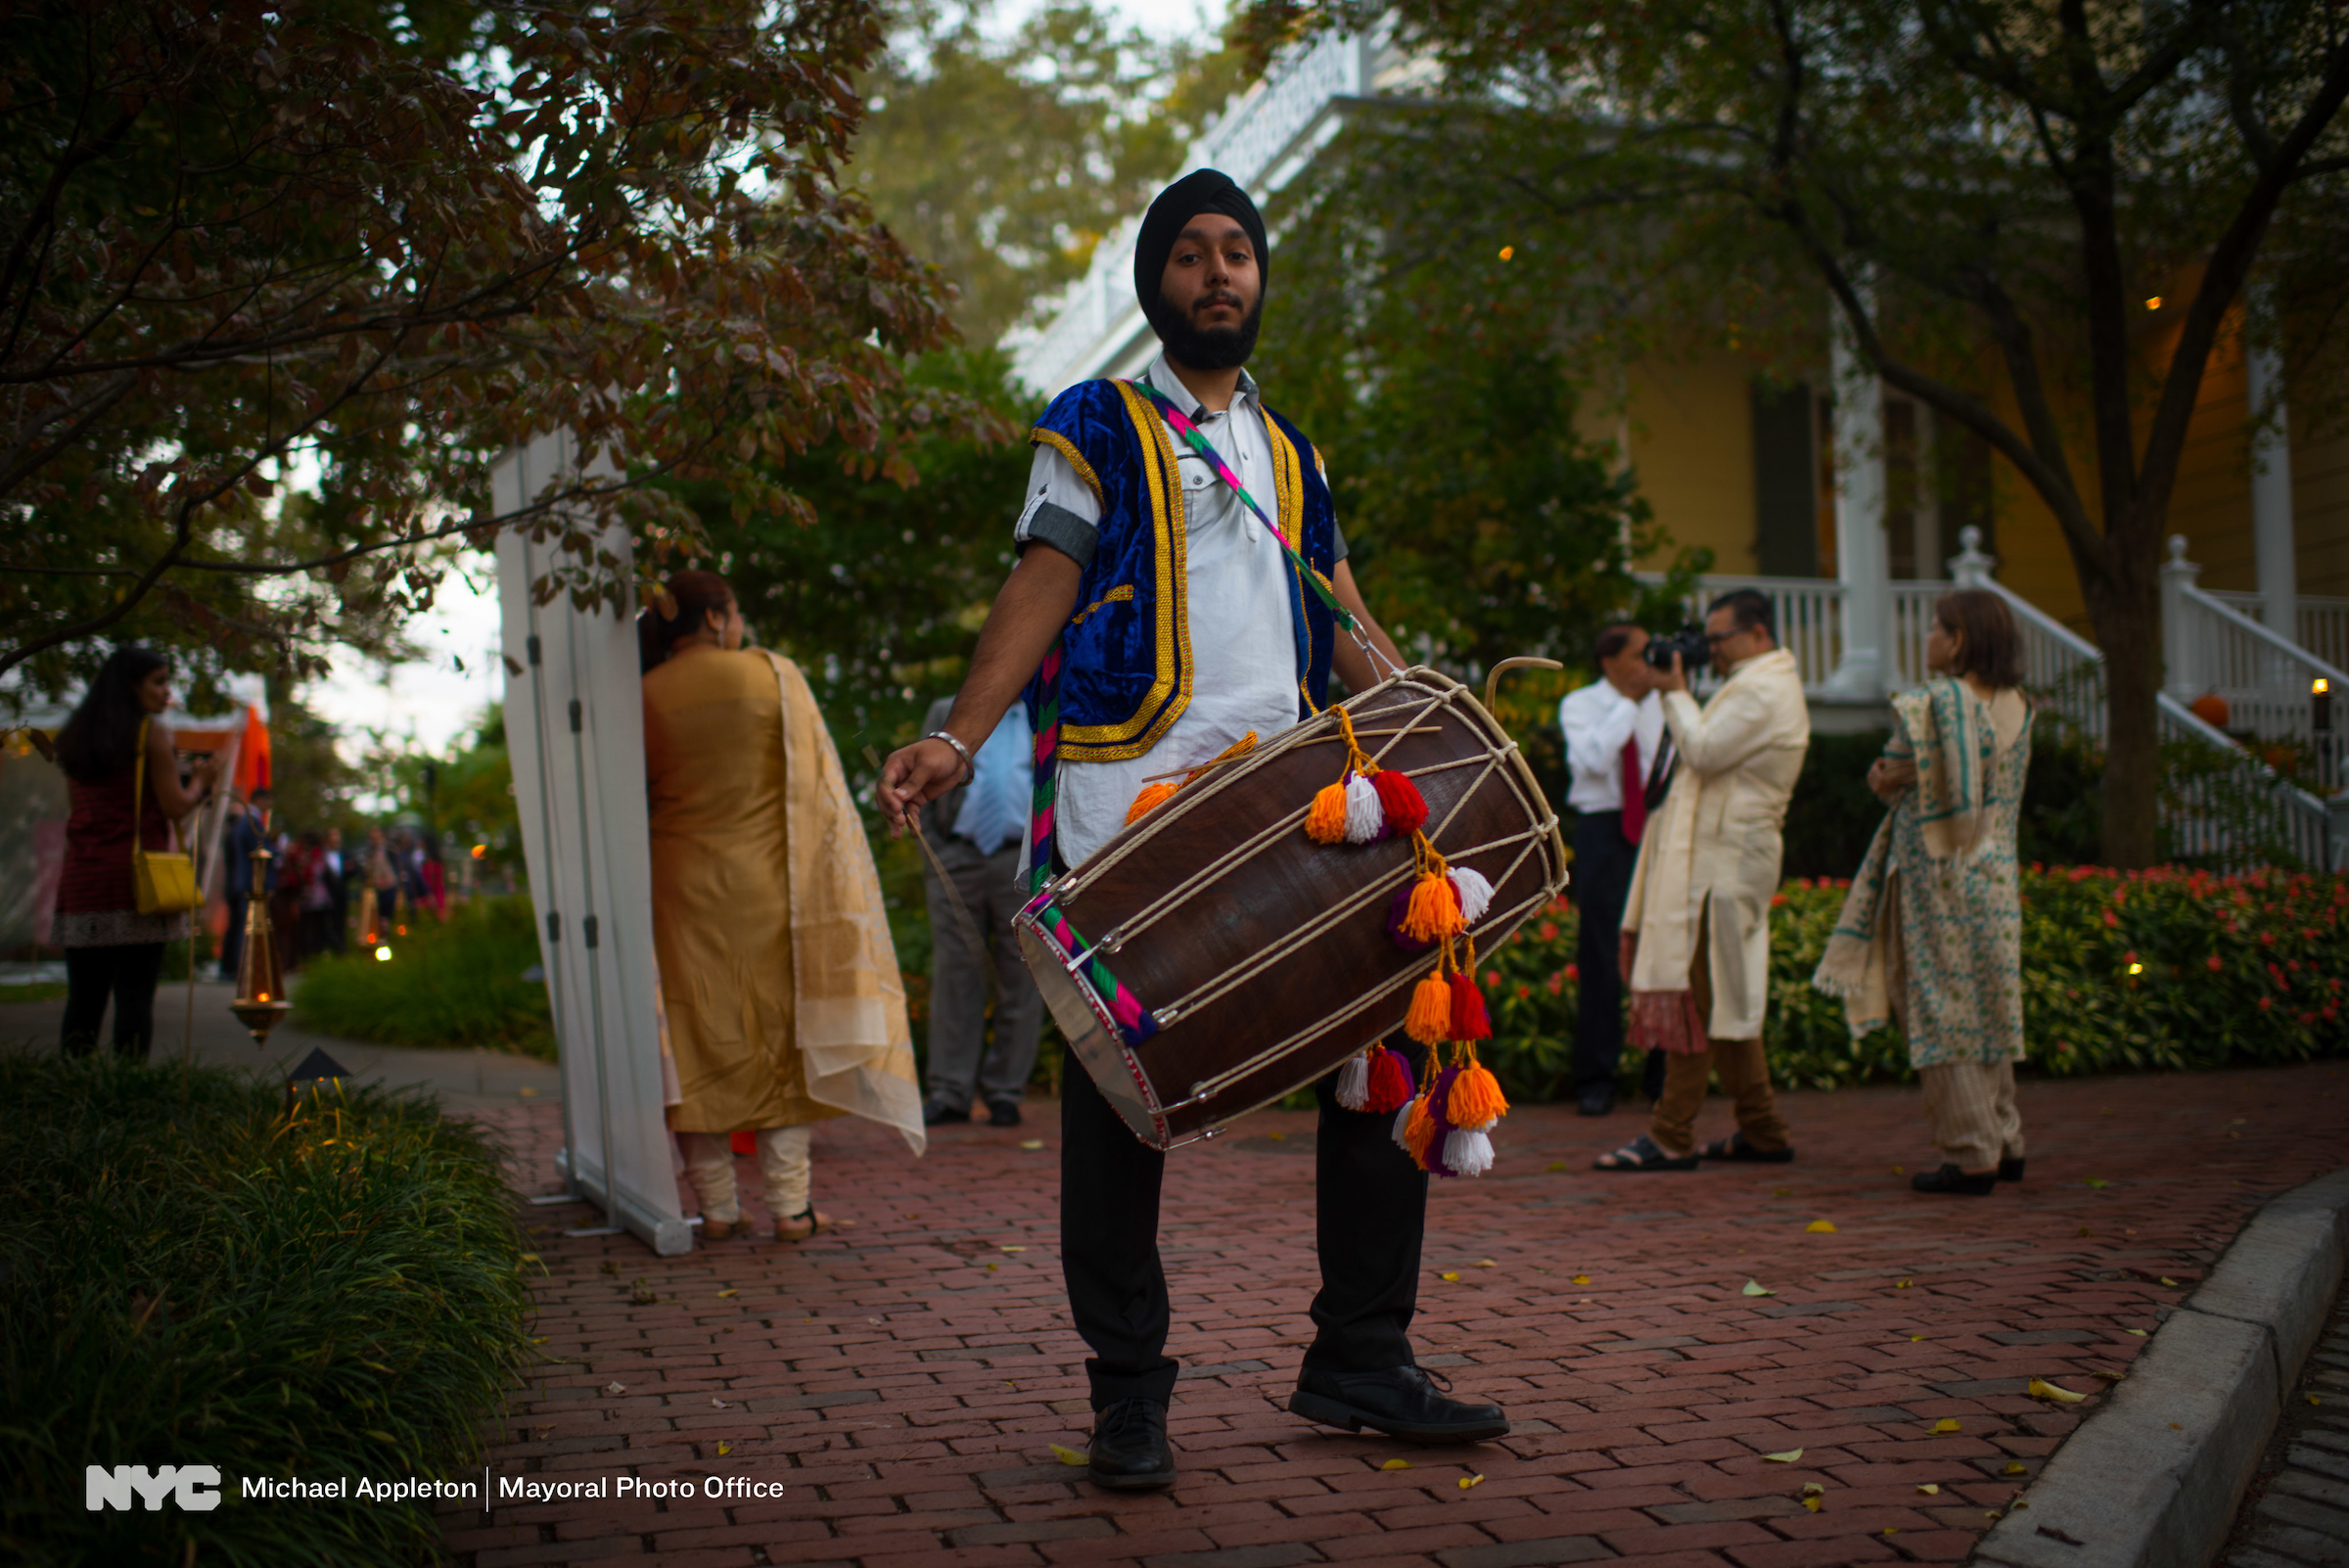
(1602,880)
(126,973)
(232,942)
(1369,1224)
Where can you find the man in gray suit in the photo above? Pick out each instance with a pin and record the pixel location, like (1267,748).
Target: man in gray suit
(977,830)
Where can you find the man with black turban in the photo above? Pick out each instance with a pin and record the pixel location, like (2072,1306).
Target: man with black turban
(1157,559)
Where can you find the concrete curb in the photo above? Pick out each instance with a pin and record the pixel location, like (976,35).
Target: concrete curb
(2153,1479)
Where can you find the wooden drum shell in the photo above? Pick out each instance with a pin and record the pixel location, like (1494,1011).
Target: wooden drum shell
(1264,955)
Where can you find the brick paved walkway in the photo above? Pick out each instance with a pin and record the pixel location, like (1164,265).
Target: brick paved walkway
(904,1387)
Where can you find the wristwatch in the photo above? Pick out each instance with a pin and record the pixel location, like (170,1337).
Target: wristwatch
(970,765)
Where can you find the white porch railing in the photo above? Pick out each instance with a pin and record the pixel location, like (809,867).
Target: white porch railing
(2221,802)
(2269,684)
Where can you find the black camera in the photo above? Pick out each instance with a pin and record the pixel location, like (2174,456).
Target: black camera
(1688,642)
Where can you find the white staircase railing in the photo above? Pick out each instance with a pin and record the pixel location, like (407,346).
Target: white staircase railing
(2278,695)
(2319,625)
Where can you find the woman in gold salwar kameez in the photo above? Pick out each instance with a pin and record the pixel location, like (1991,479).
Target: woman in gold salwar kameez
(778,980)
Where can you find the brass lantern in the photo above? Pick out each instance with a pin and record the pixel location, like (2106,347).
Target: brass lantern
(260,1000)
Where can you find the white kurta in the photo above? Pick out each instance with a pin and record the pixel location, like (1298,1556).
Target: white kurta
(1243,639)
(1715,847)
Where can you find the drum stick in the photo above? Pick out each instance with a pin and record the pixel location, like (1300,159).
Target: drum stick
(963,912)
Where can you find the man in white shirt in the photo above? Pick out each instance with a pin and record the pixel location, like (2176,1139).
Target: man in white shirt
(1174,621)
(1614,732)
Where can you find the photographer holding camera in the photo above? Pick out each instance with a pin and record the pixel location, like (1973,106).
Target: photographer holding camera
(1614,730)
(1696,924)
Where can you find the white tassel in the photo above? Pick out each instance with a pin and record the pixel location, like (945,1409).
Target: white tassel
(1353,1081)
(1403,1122)
(1468,1153)
(1476,893)
(1363,818)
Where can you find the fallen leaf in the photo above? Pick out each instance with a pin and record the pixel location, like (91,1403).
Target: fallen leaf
(1787,1458)
(992,1264)
(1068,1455)
(724,1449)
(1901,1284)
(2174,1427)
(2109,1377)
(1025,1143)
(615,1388)
(2098,1183)
(1914,1338)
(2083,1230)
(1900,1169)
(1946,1424)
(1555,1167)
(2168,1281)
(717,1404)
(1449,1276)
(2015,1467)
(1468,1481)
(2139,1332)
(1811,1503)
(543,1339)
(2042,1388)
(1781,1192)
(1487,1262)
(1013,1249)
(1819,1228)
(2312,1399)
(1278,1137)
(1892,1529)
(1581,1280)
(1396,1465)
(1756,1288)
(726,1294)
(1930,1489)
(1814,1489)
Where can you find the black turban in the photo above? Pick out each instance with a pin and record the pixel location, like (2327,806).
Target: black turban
(1203,190)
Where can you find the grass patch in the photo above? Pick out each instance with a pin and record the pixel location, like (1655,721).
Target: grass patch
(195,1275)
(33,991)
(457,984)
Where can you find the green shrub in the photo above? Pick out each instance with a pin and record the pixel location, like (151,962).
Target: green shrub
(197,1275)
(455,984)
(2227,969)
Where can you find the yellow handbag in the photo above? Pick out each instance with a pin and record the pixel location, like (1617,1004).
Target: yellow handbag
(166,882)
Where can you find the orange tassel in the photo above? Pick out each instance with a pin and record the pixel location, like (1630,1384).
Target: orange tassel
(1153,797)
(1433,911)
(1419,1132)
(1469,1020)
(1325,822)
(1430,1018)
(1476,1100)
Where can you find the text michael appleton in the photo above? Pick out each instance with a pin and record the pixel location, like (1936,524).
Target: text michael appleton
(510,1489)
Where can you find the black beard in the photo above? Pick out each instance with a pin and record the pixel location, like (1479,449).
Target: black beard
(1205,349)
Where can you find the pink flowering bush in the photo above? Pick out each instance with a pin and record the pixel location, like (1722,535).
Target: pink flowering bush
(2168,968)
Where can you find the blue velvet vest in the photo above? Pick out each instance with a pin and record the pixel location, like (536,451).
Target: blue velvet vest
(1128,670)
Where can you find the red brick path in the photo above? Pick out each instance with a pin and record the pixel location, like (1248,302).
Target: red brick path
(904,1387)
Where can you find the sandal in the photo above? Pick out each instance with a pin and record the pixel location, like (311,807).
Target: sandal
(1734,1147)
(788,1229)
(718,1230)
(1952,1179)
(1641,1154)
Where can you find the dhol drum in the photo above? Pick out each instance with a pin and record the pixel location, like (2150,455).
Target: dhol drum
(1212,957)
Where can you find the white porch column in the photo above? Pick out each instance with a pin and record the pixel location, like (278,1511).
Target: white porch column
(2182,673)
(2271,494)
(1860,552)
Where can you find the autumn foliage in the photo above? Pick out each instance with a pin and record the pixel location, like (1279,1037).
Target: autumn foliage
(277,283)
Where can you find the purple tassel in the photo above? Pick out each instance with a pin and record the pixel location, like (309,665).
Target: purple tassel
(1395,913)
(1437,1103)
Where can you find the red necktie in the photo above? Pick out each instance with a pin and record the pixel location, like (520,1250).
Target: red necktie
(1635,793)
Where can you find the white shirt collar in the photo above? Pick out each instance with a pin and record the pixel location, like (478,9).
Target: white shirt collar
(1161,375)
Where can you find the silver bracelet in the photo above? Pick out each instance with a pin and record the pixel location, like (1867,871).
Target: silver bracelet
(970,763)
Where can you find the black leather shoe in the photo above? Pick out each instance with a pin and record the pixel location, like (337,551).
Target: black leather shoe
(1002,1113)
(1949,1178)
(1129,1448)
(1596,1099)
(1402,1402)
(934,1114)
(2012,1169)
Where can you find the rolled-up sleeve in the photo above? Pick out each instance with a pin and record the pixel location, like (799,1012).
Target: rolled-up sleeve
(1061,509)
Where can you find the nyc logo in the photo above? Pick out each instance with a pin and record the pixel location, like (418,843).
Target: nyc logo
(195,1487)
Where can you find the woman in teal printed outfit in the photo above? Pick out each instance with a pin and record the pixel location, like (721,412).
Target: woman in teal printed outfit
(1931,931)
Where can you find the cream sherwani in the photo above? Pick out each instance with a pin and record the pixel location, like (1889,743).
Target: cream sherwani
(1711,858)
